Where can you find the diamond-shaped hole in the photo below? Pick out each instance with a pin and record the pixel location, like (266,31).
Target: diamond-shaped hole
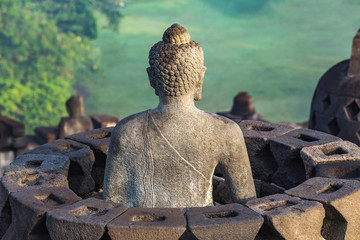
(326,103)
(306,138)
(333,127)
(352,110)
(334,151)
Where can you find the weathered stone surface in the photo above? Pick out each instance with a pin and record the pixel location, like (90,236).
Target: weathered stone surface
(85,219)
(289,217)
(104,120)
(77,121)
(340,199)
(328,154)
(28,210)
(22,181)
(242,109)
(257,135)
(286,150)
(98,140)
(148,223)
(81,162)
(41,162)
(165,157)
(231,221)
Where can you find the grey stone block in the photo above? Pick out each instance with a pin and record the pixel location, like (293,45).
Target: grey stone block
(231,221)
(328,154)
(41,162)
(85,219)
(81,162)
(286,150)
(28,210)
(289,217)
(23,181)
(257,135)
(340,199)
(98,140)
(148,223)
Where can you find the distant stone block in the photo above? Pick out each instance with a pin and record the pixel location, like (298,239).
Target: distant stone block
(46,134)
(104,120)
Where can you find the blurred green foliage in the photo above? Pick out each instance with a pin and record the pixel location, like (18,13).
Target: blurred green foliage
(37,64)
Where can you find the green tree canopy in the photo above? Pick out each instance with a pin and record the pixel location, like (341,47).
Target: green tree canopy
(36,64)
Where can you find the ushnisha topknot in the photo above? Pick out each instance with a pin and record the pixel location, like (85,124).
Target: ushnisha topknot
(175,63)
(176,34)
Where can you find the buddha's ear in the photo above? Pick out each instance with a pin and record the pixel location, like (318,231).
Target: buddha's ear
(151,80)
(198,90)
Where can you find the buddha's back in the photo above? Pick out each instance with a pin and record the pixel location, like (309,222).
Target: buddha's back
(166,157)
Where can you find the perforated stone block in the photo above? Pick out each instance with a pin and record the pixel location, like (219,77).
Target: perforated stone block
(81,162)
(231,221)
(41,162)
(98,140)
(29,208)
(328,154)
(22,181)
(286,150)
(257,135)
(148,223)
(340,199)
(104,120)
(289,217)
(85,219)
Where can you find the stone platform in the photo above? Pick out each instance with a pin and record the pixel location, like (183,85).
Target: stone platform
(307,185)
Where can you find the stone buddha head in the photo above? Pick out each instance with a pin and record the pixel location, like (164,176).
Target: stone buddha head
(176,64)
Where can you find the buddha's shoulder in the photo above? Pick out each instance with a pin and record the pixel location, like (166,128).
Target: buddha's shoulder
(223,124)
(130,124)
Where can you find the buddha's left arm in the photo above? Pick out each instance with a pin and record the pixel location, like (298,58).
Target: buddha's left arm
(236,167)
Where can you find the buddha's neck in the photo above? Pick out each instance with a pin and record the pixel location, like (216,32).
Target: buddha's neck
(170,104)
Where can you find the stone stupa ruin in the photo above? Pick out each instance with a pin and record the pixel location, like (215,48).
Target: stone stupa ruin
(306,181)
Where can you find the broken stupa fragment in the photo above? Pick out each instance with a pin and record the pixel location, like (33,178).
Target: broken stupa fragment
(335,107)
(165,157)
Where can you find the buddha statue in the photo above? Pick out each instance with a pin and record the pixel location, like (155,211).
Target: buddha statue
(166,156)
(77,121)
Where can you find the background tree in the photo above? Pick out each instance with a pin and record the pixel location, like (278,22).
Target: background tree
(44,48)
(36,64)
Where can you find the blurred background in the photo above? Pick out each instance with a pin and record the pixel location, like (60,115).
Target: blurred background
(274,49)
